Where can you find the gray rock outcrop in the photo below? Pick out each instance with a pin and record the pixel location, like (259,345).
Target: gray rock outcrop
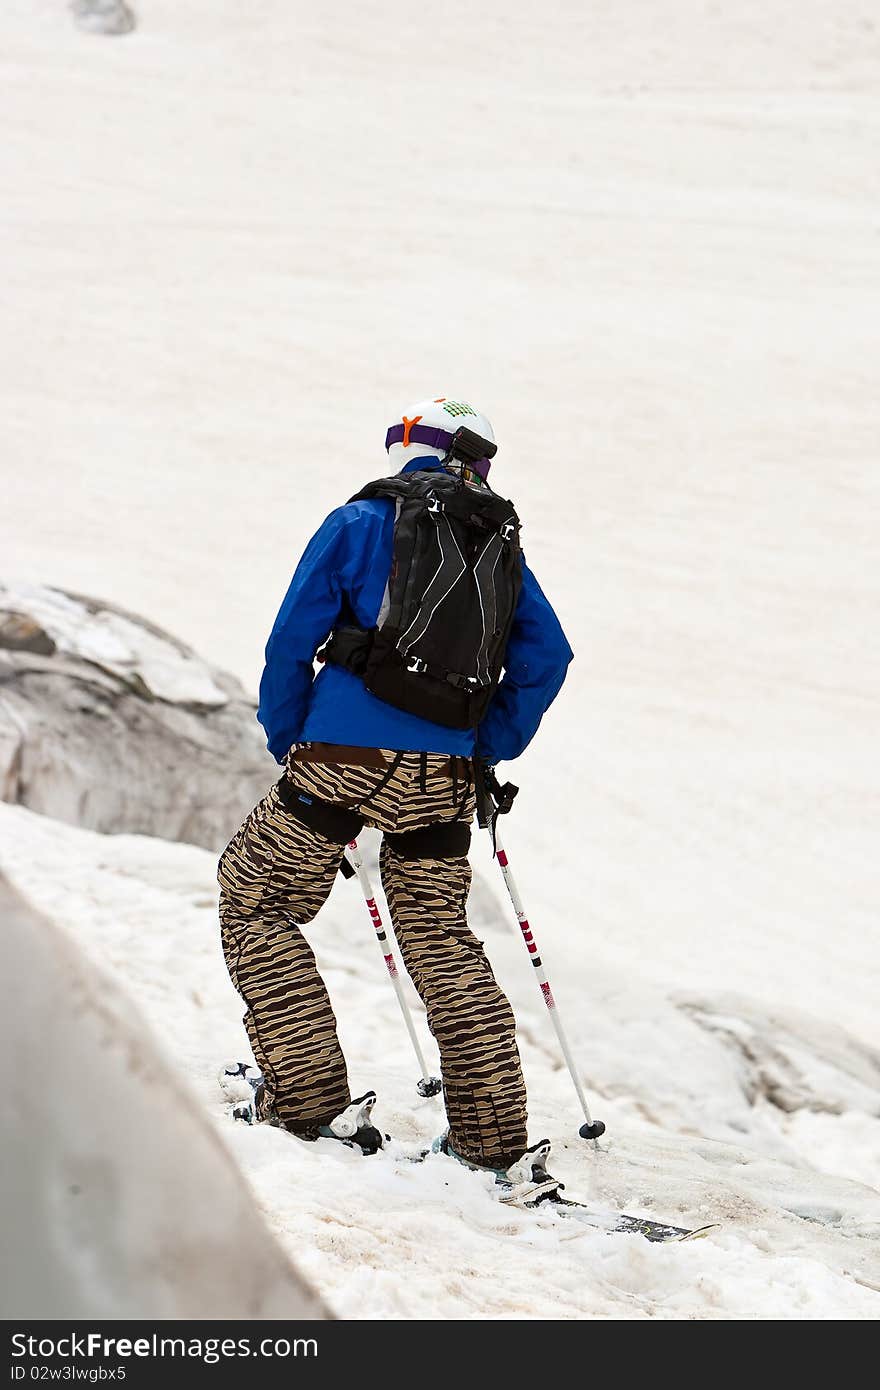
(109,723)
(103,16)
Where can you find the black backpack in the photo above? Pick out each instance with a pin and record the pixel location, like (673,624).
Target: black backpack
(438,646)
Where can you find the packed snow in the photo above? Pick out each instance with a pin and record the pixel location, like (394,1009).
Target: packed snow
(689,1138)
(644,241)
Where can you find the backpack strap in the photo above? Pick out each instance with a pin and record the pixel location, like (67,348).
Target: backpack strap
(443,492)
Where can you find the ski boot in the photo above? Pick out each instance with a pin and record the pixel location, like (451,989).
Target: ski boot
(525,1181)
(242,1085)
(353,1126)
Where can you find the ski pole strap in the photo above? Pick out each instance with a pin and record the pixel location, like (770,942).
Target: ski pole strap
(504,796)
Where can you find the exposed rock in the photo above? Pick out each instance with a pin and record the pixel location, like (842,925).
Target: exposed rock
(19,633)
(109,723)
(119,1199)
(103,16)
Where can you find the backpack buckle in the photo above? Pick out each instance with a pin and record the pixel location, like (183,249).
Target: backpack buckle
(435,506)
(417,665)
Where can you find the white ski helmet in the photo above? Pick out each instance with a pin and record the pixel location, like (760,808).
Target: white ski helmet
(427,428)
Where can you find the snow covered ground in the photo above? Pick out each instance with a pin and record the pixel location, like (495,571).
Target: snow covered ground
(690,1138)
(644,240)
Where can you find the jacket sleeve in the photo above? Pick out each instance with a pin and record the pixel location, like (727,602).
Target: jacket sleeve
(535,664)
(328,571)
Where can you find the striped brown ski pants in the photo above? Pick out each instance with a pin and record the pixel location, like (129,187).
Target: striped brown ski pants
(277,872)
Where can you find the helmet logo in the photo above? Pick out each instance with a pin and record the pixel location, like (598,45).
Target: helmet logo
(456,407)
(407,426)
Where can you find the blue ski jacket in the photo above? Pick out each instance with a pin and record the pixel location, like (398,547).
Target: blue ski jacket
(346,564)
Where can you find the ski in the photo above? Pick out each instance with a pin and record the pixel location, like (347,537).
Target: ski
(532,1188)
(544,1193)
(616,1222)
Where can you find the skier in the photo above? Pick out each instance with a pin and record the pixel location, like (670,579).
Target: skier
(440,654)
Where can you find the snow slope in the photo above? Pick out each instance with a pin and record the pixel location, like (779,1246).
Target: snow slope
(381,1238)
(644,240)
(646,245)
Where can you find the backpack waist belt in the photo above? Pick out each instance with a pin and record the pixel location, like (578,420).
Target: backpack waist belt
(351,646)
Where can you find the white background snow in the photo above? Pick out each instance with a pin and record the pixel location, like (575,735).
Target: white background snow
(644,240)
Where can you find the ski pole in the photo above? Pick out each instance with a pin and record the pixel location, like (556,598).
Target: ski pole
(592,1128)
(429,1085)
(487,784)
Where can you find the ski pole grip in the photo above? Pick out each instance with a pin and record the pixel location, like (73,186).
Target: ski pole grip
(493,800)
(485,807)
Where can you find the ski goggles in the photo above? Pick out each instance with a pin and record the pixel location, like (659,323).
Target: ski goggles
(441,440)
